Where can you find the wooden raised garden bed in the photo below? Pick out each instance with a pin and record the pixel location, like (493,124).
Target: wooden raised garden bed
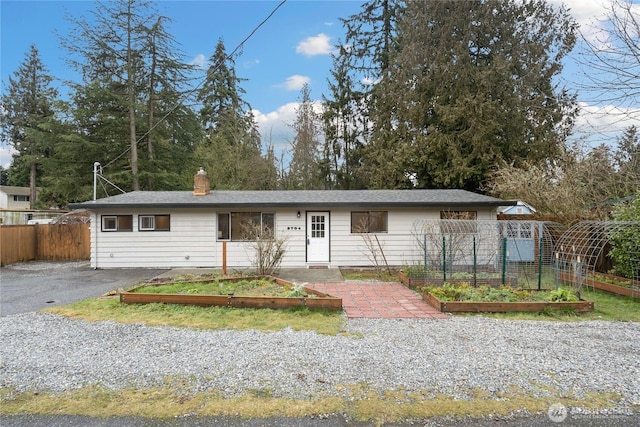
(603,285)
(503,307)
(319,301)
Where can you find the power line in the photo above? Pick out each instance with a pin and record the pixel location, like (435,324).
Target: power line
(210,71)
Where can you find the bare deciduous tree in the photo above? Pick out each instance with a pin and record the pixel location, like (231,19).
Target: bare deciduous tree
(268,249)
(579,186)
(612,58)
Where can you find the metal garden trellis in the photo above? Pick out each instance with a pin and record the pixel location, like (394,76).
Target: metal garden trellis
(486,251)
(590,249)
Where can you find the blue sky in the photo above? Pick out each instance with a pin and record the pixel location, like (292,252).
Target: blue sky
(291,48)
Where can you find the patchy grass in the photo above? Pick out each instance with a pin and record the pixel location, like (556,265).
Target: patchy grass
(110,308)
(370,274)
(358,402)
(607,307)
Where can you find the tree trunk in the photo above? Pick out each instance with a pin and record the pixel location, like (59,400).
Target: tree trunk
(32,185)
(132,111)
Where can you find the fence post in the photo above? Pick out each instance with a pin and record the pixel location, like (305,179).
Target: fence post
(555,273)
(224,258)
(504,260)
(424,240)
(444,259)
(475,263)
(540,264)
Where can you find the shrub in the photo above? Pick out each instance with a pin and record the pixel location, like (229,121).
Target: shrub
(268,250)
(625,240)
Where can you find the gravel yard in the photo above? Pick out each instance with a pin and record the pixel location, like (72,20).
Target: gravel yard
(456,357)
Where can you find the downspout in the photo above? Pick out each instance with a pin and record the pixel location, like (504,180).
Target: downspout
(96,166)
(95,240)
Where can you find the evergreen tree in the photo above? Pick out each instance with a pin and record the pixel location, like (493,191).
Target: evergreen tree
(4,175)
(231,148)
(371,38)
(304,166)
(627,162)
(343,128)
(172,128)
(28,114)
(474,83)
(129,110)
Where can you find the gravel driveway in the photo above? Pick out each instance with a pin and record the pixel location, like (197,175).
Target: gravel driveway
(457,357)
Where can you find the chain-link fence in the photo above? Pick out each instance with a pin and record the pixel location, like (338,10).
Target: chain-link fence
(517,253)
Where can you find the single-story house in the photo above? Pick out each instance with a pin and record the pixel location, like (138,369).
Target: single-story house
(321,228)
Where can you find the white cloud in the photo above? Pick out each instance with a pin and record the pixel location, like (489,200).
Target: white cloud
(275,126)
(296,82)
(583,11)
(199,61)
(318,45)
(603,124)
(6,155)
(591,16)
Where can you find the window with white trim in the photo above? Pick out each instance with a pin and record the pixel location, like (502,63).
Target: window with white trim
(20,198)
(154,223)
(117,222)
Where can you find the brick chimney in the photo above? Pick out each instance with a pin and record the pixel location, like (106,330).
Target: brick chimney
(201,185)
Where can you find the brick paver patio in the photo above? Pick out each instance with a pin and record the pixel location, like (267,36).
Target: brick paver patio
(379,300)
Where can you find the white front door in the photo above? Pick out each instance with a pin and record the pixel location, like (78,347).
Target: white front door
(317,236)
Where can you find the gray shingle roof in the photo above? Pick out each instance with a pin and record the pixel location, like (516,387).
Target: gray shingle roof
(298,199)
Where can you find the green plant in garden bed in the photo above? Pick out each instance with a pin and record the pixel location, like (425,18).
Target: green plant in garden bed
(607,307)
(249,287)
(618,281)
(466,292)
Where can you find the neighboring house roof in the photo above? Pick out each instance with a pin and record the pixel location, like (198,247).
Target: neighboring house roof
(519,203)
(296,198)
(18,191)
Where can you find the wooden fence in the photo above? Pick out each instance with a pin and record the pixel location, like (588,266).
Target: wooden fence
(48,242)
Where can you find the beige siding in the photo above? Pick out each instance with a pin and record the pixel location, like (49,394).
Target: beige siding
(397,244)
(192,240)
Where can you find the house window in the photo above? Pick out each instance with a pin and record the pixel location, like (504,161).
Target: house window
(458,215)
(516,230)
(117,223)
(250,225)
(224,226)
(369,221)
(20,198)
(318,226)
(154,223)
